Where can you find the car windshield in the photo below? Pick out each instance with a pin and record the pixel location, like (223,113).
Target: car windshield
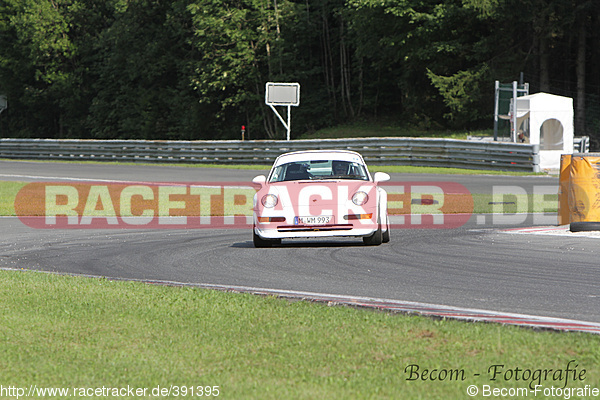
(319,170)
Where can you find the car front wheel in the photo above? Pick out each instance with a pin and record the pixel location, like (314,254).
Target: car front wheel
(262,243)
(386,234)
(375,239)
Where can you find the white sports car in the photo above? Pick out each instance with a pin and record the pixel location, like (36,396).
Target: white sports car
(320,193)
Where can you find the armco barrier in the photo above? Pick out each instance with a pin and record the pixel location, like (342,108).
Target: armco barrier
(390,151)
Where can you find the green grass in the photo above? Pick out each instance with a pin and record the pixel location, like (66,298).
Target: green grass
(485,204)
(8,191)
(162,164)
(401,169)
(407,169)
(391,129)
(398,203)
(60,331)
(475,203)
(512,204)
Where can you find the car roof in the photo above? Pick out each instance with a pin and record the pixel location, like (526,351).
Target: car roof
(310,155)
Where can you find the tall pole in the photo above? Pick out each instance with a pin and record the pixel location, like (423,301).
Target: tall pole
(289,124)
(513,133)
(496,101)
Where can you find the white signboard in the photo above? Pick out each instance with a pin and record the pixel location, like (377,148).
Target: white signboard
(282,94)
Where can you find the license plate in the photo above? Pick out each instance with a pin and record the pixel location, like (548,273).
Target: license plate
(313,220)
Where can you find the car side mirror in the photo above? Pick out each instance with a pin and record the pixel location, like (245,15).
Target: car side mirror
(260,180)
(381,177)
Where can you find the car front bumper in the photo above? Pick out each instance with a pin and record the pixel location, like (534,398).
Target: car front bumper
(284,231)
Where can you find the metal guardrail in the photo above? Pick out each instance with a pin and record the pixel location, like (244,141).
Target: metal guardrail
(387,151)
(581,144)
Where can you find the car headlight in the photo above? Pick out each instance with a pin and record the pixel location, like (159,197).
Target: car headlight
(269,200)
(360,198)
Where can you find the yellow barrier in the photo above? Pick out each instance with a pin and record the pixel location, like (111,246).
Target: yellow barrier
(583,192)
(563,189)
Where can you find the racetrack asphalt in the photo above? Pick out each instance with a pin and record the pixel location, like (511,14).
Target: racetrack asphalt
(479,265)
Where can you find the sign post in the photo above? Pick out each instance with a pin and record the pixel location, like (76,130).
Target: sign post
(283,94)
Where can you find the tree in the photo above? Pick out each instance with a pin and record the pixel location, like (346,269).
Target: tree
(196,69)
(38,62)
(142,75)
(235,41)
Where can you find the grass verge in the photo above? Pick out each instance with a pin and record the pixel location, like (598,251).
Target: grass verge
(73,332)
(8,192)
(400,169)
(407,169)
(475,203)
(162,164)
(391,129)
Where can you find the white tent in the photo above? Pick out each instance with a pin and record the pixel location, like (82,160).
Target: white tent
(547,120)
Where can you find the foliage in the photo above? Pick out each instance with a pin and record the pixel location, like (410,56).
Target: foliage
(461,92)
(141,81)
(196,69)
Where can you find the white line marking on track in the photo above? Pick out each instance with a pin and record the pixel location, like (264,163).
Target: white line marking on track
(562,230)
(66,178)
(408,307)
(216,185)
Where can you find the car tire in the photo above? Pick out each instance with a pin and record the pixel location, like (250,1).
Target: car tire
(375,239)
(385,237)
(258,241)
(262,243)
(584,226)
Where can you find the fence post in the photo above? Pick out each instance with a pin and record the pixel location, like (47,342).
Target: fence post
(536,158)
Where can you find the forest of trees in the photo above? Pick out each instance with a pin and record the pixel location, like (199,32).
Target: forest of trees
(196,69)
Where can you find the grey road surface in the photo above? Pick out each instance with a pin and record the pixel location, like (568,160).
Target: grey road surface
(468,267)
(40,171)
(475,266)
